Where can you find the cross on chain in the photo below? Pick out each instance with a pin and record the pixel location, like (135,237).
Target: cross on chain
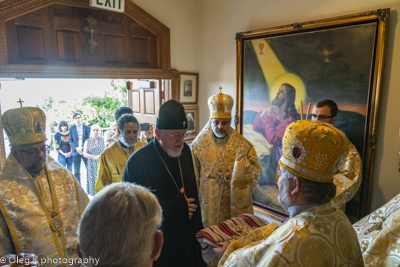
(91,28)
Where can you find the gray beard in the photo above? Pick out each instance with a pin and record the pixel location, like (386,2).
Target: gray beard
(284,198)
(174,154)
(122,140)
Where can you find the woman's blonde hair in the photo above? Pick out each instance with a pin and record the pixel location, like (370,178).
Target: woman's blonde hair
(94,126)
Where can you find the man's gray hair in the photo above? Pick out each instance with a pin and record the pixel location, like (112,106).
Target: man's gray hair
(312,191)
(119,224)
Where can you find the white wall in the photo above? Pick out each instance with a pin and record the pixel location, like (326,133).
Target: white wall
(220,20)
(181,17)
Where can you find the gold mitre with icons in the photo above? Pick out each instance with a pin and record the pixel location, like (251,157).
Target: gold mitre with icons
(25,125)
(313,150)
(220,106)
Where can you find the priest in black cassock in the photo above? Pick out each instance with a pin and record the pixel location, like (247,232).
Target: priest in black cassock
(165,166)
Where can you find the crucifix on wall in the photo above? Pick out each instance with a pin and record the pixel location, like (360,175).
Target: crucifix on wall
(91,28)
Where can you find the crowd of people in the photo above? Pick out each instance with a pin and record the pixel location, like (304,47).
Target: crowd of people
(153,196)
(84,143)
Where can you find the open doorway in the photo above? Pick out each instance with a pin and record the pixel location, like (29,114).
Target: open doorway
(60,99)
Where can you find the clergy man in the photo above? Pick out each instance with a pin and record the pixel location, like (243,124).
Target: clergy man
(317,233)
(165,166)
(226,165)
(112,161)
(41,201)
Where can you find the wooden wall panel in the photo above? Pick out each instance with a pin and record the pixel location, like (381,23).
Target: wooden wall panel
(135,97)
(68,45)
(61,34)
(141,51)
(149,102)
(30,42)
(114,48)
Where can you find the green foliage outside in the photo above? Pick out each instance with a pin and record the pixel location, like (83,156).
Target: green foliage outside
(94,109)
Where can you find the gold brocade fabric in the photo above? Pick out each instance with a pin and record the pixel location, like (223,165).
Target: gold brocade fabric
(111,164)
(348,178)
(24,219)
(379,235)
(319,236)
(112,140)
(227,172)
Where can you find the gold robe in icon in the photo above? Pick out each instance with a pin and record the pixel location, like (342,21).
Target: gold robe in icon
(319,236)
(227,172)
(112,163)
(26,206)
(379,235)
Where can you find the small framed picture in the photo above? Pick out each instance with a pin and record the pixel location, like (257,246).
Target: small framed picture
(192,115)
(188,87)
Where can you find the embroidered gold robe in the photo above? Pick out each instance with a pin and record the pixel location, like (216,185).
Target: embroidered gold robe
(112,140)
(379,235)
(111,164)
(227,172)
(319,236)
(348,178)
(25,220)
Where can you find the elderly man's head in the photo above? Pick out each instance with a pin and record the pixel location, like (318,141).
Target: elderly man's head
(295,190)
(120,227)
(171,128)
(312,153)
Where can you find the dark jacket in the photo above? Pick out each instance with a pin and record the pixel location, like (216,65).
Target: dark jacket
(74,138)
(145,167)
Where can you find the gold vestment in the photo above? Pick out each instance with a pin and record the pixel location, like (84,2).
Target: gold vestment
(379,235)
(111,164)
(26,206)
(319,236)
(112,140)
(348,178)
(227,172)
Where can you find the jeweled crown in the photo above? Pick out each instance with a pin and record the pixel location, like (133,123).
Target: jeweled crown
(313,150)
(24,125)
(220,106)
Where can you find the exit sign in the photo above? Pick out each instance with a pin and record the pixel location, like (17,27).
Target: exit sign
(114,5)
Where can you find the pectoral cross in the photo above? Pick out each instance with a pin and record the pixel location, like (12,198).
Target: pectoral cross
(184,123)
(91,29)
(20,102)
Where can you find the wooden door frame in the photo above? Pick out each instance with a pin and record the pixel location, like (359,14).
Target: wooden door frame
(11,9)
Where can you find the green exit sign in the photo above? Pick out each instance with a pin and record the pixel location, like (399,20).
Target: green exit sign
(114,5)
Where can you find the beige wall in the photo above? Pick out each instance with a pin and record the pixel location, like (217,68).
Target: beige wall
(203,40)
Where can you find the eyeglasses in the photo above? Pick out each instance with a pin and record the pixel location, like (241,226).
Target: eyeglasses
(216,123)
(33,151)
(179,136)
(77,118)
(321,117)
